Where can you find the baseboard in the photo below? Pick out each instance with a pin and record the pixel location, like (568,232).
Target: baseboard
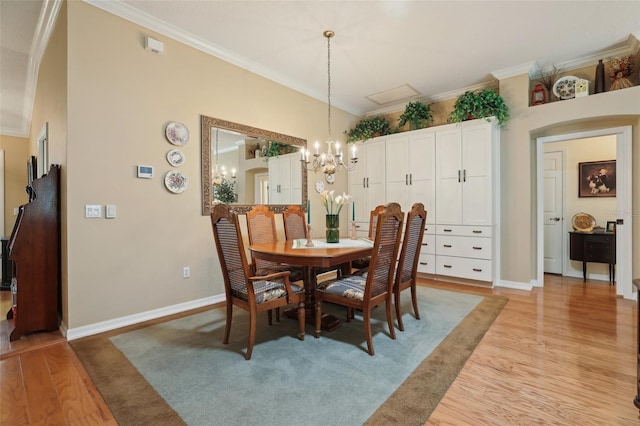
(101,327)
(515,285)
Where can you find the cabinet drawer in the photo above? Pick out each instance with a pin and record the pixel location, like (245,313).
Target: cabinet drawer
(473,269)
(427,263)
(428,244)
(429,229)
(473,247)
(464,230)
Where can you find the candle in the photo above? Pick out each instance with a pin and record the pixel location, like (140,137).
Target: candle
(308,211)
(353,211)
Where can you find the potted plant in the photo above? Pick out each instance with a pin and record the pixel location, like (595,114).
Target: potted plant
(417,114)
(368,128)
(482,103)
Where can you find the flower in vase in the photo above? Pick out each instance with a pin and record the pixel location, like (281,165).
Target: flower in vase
(333,204)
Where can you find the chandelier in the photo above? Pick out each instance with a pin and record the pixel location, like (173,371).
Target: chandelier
(332,160)
(224,188)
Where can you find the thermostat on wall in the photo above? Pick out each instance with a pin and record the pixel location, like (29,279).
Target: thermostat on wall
(145,172)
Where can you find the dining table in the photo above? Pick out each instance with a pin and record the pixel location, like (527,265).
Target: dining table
(320,255)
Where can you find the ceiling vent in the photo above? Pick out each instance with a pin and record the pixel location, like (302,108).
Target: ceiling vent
(393,95)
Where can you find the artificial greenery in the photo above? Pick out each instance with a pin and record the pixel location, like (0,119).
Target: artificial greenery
(225,192)
(275,148)
(368,128)
(417,114)
(482,103)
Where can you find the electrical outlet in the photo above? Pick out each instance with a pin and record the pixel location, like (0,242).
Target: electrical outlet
(186,272)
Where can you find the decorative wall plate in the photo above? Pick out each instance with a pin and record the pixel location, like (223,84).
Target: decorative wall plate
(565,87)
(175,181)
(177,133)
(583,222)
(319,186)
(175,157)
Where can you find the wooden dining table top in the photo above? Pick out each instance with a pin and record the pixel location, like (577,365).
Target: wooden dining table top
(284,252)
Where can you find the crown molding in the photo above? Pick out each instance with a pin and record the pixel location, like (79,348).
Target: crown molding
(513,71)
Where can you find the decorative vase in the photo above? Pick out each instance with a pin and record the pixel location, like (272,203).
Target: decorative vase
(333,231)
(599,77)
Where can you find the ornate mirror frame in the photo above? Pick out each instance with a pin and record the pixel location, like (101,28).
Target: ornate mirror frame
(206,124)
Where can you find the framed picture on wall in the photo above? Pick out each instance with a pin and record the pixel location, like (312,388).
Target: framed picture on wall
(597,179)
(611,226)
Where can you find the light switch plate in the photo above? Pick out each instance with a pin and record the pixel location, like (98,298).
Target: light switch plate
(92,211)
(110,211)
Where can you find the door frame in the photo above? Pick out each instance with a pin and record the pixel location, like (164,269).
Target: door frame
(624,163)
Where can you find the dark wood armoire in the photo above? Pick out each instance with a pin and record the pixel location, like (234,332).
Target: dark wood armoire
(34,249)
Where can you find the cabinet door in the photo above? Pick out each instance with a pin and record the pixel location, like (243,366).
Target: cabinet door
(376,181)
(448,176)
(398,170)
(295,194)
(357,185)
(421,156)
(476,166)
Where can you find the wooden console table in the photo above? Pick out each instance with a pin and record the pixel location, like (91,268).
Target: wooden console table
(599,247)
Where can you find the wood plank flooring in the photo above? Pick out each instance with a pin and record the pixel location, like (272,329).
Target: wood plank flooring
(564,354)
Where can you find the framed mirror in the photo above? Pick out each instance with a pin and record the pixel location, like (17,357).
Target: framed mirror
(243,166)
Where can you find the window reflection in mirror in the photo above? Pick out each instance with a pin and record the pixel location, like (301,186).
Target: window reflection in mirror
(244,166)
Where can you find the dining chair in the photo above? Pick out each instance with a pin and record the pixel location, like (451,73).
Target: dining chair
(364,293)
(363,263)
(261,229)
(294,223)
(407,269)
(295,228)
(242,287)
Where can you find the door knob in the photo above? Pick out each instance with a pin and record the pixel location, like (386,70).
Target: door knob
(556,219)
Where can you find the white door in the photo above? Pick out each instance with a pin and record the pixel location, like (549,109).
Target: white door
(553,215)
(449,176)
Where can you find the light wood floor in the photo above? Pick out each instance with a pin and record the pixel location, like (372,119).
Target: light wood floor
(561,355)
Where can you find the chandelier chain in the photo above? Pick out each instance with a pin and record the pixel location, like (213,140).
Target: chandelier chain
(329,84)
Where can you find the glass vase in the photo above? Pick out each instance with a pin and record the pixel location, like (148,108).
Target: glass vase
(333,225)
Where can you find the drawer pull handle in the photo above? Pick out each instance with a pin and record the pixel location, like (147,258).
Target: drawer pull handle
(477,248)
(425,244)
(477,270)
(446,230)
(423,263)
(447,266)
(477,232)
(357,226)
(447,245)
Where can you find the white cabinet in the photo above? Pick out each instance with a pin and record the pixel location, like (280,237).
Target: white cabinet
(411,159)
(367,182)
(464,157)
(285,179)
(467,201)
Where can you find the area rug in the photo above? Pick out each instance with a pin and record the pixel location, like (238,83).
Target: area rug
(179,372)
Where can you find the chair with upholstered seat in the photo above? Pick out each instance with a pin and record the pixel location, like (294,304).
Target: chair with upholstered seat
(261,227)
(407,269)
(242,288)
(364,293)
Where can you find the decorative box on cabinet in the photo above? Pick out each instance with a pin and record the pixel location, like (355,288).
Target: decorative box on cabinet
(34,247)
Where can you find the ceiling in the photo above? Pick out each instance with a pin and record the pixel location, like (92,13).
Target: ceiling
(438,48)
